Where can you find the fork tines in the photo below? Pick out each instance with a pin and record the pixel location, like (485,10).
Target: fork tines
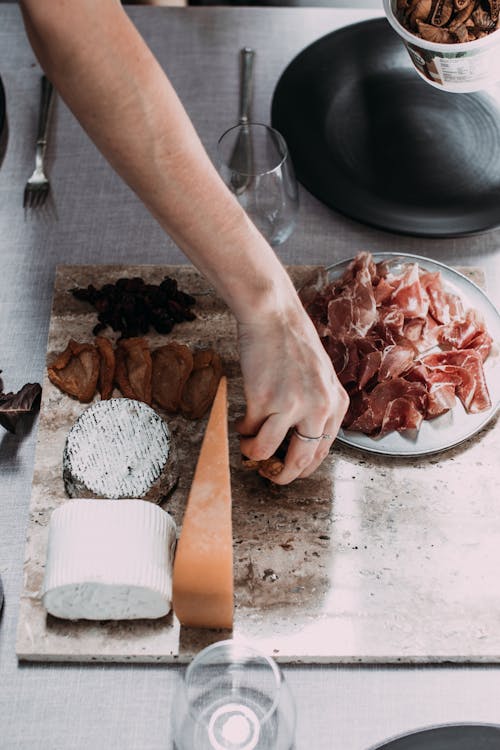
(37,187)
(35,194)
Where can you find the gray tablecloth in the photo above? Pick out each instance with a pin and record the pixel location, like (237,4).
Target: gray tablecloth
(96,219)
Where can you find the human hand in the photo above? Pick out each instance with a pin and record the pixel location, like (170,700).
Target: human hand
(289,382)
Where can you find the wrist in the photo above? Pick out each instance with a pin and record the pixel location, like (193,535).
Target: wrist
(264,297)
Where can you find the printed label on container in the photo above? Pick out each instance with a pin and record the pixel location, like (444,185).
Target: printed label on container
(463,69)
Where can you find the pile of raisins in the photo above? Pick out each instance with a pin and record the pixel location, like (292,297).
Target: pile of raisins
(131,306)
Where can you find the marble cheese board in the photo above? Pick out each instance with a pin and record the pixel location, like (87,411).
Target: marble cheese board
(374,559)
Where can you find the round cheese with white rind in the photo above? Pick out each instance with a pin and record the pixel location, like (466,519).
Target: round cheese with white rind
(109,560)
(120,448)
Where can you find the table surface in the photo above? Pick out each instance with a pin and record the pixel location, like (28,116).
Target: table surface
(99,220)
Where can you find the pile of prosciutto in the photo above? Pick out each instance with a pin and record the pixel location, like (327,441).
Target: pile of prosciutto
(403,347)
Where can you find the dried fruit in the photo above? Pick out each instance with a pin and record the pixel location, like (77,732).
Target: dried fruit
(76,370)
(133,369)
(441,12)
(449,21)
(271,467)
(131,306)
(172,365)
(106,367)
(434,33)
(13,406)
(201,386)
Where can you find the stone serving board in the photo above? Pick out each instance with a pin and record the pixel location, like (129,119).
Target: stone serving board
(373,559)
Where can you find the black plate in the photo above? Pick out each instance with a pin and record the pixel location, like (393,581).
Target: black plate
(451,737)
(2,108)
(371,139)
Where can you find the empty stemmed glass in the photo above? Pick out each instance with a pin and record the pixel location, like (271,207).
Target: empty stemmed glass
(255,164)
(233,698)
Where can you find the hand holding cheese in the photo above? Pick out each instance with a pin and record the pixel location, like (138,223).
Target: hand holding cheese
(203,567)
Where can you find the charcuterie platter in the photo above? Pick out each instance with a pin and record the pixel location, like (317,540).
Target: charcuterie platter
(372,559)
(456,425)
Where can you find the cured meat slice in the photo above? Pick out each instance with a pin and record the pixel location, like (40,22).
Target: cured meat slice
(396,360)
(401,414)
(439,306)
(459,333)
(467,365)
(409,295)
(373,407)
(383,291)
(365,308)
(368,368)
(455,306)
(337,351)
(392,318)
(413,329)
(481,344)
(341,316)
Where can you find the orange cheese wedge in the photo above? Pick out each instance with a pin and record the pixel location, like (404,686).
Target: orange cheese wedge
(203,566)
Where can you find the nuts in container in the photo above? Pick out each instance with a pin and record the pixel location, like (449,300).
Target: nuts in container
(453,44)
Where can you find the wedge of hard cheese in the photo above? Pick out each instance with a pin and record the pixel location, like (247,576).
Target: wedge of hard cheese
(109,560)
(203,565)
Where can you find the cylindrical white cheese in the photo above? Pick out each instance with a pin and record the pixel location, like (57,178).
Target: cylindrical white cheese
(109,560)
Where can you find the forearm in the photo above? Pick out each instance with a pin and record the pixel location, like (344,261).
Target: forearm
(115,87)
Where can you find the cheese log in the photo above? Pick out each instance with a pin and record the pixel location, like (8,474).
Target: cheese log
(120,448)
(109,560)
(203,565)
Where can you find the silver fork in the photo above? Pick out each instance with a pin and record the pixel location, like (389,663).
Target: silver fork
(38,186)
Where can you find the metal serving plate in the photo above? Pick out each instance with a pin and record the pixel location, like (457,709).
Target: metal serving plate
(455,426)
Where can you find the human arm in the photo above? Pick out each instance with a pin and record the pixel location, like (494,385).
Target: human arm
(111,81)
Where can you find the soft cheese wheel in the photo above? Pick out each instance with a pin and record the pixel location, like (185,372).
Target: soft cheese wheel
(109,560)
(203,566)
(119,448)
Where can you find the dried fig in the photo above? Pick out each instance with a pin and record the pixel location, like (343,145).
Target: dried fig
(201,386)
(133,370)
(76,370)
(106,367)
(172,365)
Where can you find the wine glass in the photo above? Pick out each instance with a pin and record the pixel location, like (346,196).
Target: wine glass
(255,164)
(233,698)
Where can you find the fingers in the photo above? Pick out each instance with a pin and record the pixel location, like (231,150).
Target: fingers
(323,447)
(260,439)
(269,437)
(302,454)
(289,381)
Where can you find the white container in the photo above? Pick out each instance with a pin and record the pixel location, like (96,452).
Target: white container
(460,68)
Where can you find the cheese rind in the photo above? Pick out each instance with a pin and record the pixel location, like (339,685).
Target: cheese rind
(203,565)
(109,560)
(120,448)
